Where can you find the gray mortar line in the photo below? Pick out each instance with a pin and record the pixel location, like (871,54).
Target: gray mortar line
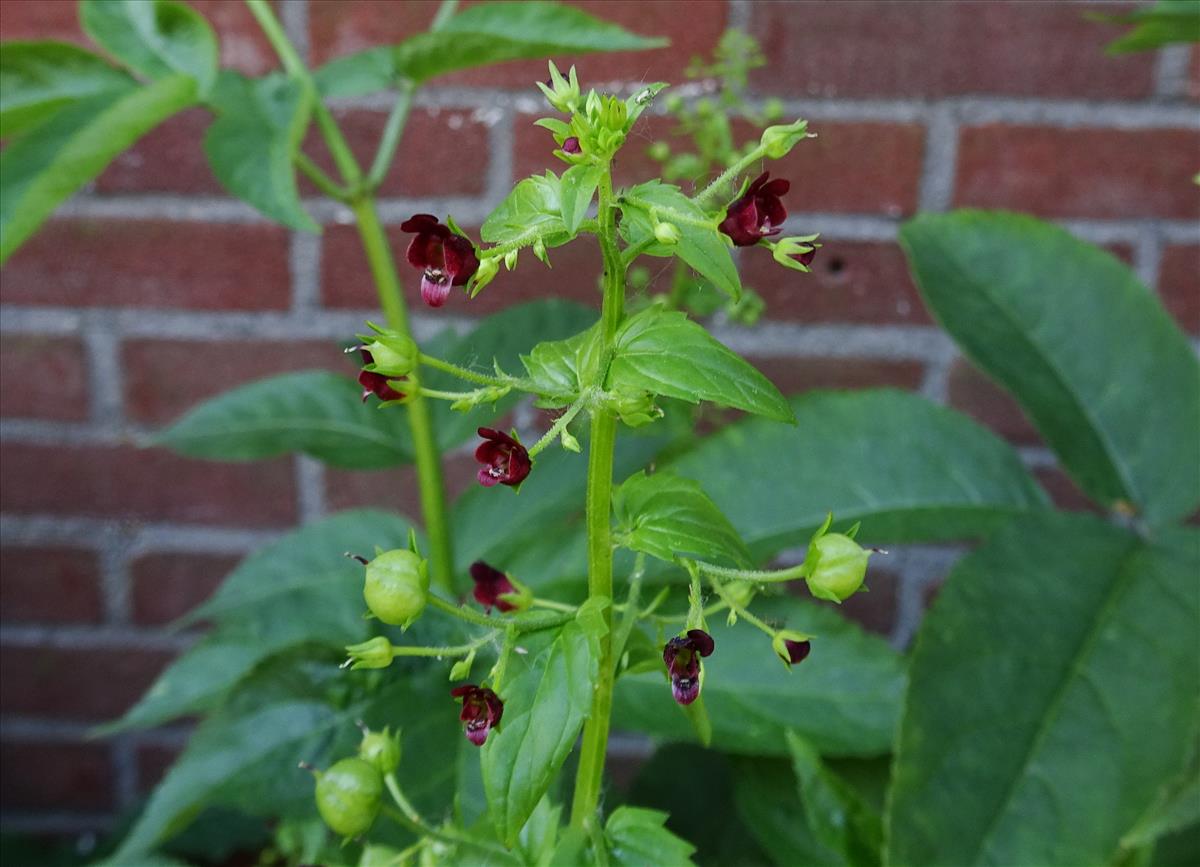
(918,566)
(740,13)
(1147,256)
(501,147)
(89,533)
(115,582)
(310,488)
(293,14)
(939,166)
(123,750)
(105,377)
(905,342)
(1171,72)
(304,268)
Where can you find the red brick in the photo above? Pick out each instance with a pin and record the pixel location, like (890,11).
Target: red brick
(851,281)
(393,489)
(153,762)
(422,166)
(148,485)
(337,27)
(50,585)
(167,586)
(243,47)
(1100,173)
(1179,283)
(1193,79)
(151,263)
(165,378)
(168,159)
(44,377)
(1063,491)
(934,49)
(42,775)
(95,684)
(875,609)
(797,375)
(974,394)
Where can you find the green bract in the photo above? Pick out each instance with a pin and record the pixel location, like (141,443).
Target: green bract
(397,587)
(349,796)
(381,749)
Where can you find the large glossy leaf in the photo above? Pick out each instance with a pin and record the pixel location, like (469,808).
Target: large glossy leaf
(1105,375)
(1053,695)
(665,516)
(767,801)
(298,590)
(700,244)
(844,699)
(318,413)
(479,36)
(908,469)
(252,144)
(157,38)
(666,353)
(38,78)
(839,817)
(547,694)
(42,168)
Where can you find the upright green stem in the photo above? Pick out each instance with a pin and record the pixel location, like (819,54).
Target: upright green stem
(429,462)
(599,526)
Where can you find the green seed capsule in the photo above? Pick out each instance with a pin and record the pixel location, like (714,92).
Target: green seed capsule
(841,566)
(349,796)
(397,587)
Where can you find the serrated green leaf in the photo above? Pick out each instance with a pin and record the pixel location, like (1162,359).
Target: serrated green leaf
(666,353)
(532,210)
(253,142)
(157,38)
(42,168)
(318,413)
(39,78)
(700,245)
(1078,340)
(547,694)
(1053,693)
(668,516)
(638,837)
(479,36)
(844,698)
(576,188)
(554,368)
(908,469)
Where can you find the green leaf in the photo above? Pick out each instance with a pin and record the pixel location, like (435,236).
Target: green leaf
(908,469)
(638,837)
(765,797)
(159,38)
(668,516)
(666,353)
(532,210)
(577,186)
(41,169)
(838,816)
(251,145)
(1166,22)
(1053,693)
(554,367)
(700,245)
(845,698)
(318,413)
(245,757)
(547,694)
(479,36)
(1078,341)
(39,78)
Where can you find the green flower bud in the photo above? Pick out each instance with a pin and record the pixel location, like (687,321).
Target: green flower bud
(397,587)
(660,151)
(839,565)
(539,250)
(636,408)
(562,93)
(373,653)
(393,355)
(488,268)
(349,796)
(778,141)
(510,259)
(667,233)
(381,749)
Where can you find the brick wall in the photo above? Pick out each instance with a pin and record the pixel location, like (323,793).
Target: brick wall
(140,297)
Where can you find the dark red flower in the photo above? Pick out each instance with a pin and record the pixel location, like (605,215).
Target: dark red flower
(505,460)
(806,259)
(758,213)
(447,259)
(796,650)
(481,711)
(376,383)
(490,584)
(571,146)
(682,656)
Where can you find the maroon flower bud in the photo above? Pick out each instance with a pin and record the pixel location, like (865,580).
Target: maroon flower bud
(797,650)
(447,259)
(682,656)
(481,711)
(505,460)
(806,259)
(490,584)
(376,383)
(571,146)
(758,213)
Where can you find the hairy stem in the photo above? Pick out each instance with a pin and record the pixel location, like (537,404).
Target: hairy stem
(599,524)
